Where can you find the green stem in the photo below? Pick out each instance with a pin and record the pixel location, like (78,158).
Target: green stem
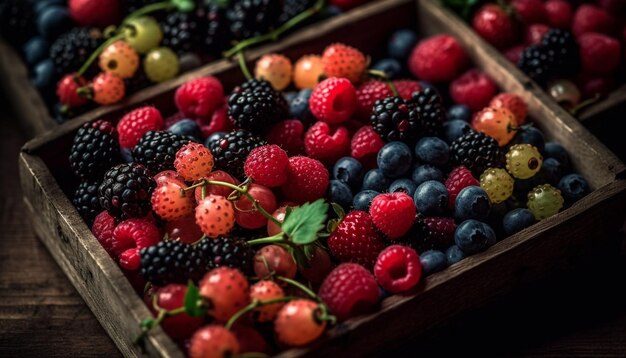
(584,104)
(243,66)
(160,317)
(164,5)
(300,286)
(254,304)
(383,76)
(244,192)
(278,238)
(97,52)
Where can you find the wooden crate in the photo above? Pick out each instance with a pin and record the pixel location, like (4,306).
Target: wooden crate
(547,245)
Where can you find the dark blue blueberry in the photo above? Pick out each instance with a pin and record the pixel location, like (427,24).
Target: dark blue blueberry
(531,135)
(454,254)
(214,137)
(299,107)
(433,261)
(375,180)
(349,171)
(394,159)
(401,44)
(472,203)
(455,128)
(53,21)
(521,187)
(432,150)
(187,128)
(44,75)
(41,5)
(60,113)
(404,185)
(189,61)
(340,193)
(551,171)
(513,202)
(127,155)
(426,172)
(516,220)
(391,67)
(426,84)
(431,198)
(473,236)
(363,200)
(460,111)
(35,50)
(289,95)
(556,151)
(573,187)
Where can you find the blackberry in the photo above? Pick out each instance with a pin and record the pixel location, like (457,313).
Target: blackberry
(228,251)
(537,62)
(71,49)
(171,262)
(255,106)
(292,8)
(230,151)
(182,31)
(86,201)
(557,55)
(125,191)
(94,150)
(216,36)
(249,18)
(477,152)
(391,119)
(156,150)
(17,21)
(428,108)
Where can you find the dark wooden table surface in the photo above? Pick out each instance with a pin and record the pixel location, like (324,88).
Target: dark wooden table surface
(577,314)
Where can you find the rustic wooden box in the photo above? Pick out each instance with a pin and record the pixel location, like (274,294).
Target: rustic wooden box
(47,182)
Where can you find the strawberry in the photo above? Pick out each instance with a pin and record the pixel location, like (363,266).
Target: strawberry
(348,290)
(333,100)
(355,240)
(136,123)
(590,18)
(559,14)
(406,88)
(344,61)
(393,213)
(288,135)
(368,93)
(365,145)
(438,59)
(513,103)
(474,89)
(599,54)
(530,11)
(307,180)
(493,24)
(323,143)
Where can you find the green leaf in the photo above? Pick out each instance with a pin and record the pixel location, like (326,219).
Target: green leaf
(146,324)
(193,301)
(305,221)
(184,5)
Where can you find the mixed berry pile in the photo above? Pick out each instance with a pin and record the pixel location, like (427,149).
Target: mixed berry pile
(574,49)
(255,220)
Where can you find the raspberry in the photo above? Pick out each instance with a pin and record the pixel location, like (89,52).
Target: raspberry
(296,323)
(213,341)
(459,178)
(125,191)
(199,97)
(344,61)
(590,18)
(107,88)
(439,233)
(129,237)
(367,94)
(600,54)
(265,290)
(217,122)
(530,11)
(67,90)
(406,88)
(349,290)
(94,150)
(393,213)
(193,161)
(215,215)
(217,175)
(102,229)
(274,68)
(227,290)
(136,123)
(333,100)
(438,59)
(494,25)
(288,135)
(534,34)
(513,103)
(473,89)
(355,240)
(170,203)
(398,268)
(559,14)
(307,71)
(365,145)
(326,145)
(267,165)
(307,180)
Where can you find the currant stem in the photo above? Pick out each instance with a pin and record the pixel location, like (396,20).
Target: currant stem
(164,5)
(300,286)
(254,304)
(278,238)
(243,66)
(383,76)
(97,52)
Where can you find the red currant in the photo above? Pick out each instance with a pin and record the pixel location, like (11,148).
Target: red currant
(185,230)
(180,326)
(319,266)
(213,341)
(246,215)
(227,291)
(67,90)
(265,290)
(221,190)
(108,88)
(170,202)
(273,259)
(297,323)
(193,161)
(215,215)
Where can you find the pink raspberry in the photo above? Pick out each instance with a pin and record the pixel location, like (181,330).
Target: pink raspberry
(349,290)
(307,180)
(393,213)
(438,59)
(406,88)
(267,165)
(199,97)
(288,135)
(459,178)
(136,123)
(398,268)
(365,145)
(129,237)
(216,122)
(367,94)
(599,54)
(323,143)
(333,100)
(102,229)
(474,89)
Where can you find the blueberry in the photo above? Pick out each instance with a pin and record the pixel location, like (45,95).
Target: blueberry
(35,50)
(454,254)
(299,107)
(404,185)
(531,135)
(521,187)
(214,137)
(349,171)
(551,171)
(60,113)
(473,236)
(556,151)
(432,150)
(433,261)
(426,84)
(189,61)
(573,187)
(431,198)
(127,155)
(289,95)
(426,172)
(472,203)
(516,220)
(53,21)
(394,159)
(363,200)
(401,44)
(391,67)
(187,128)
(340,193)
(375,180)
(41,5)
(460,111)
(44,75)
(455,128)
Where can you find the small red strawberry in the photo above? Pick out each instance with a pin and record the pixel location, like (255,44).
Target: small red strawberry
(533,34)
(474,89)
(365,145)
(67,90)
(368,93)
(100,13)
(136,123)
(325,144)
(307,180)
(513,103)
(438,59)
(333,100)
(599,54)
(199,97)
(493,24)
(406,88)
(393,213)
(355,240)
(344,61)
(590,18)
(267,165)
(559,13)
(349,290)
(530,11)
(289,135)
(459,178)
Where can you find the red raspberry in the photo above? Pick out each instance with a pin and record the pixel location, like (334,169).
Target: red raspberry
(513,103)
(349,290)
(180,326)
(340,60)
(393,213)
(199,97)
(227,290)
(67,89)
(599,54)
(307,180)
(355,240)
(440,231)
(170,203)
(438,59)
(474,89)
(406,88)
(494,25)
(590,18)
(533,34)
(514,53)
(136,123)
(193,161)
(288,135)
(459,178)
(365,145)
(108,88)
(398,269)
(129,237)
(559,13)
(215,215)
(267,165)
(530,11)
(367,94)
(221,190)
(213,341)
(322,144)
(217,122)
(102,229)
(333,100)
